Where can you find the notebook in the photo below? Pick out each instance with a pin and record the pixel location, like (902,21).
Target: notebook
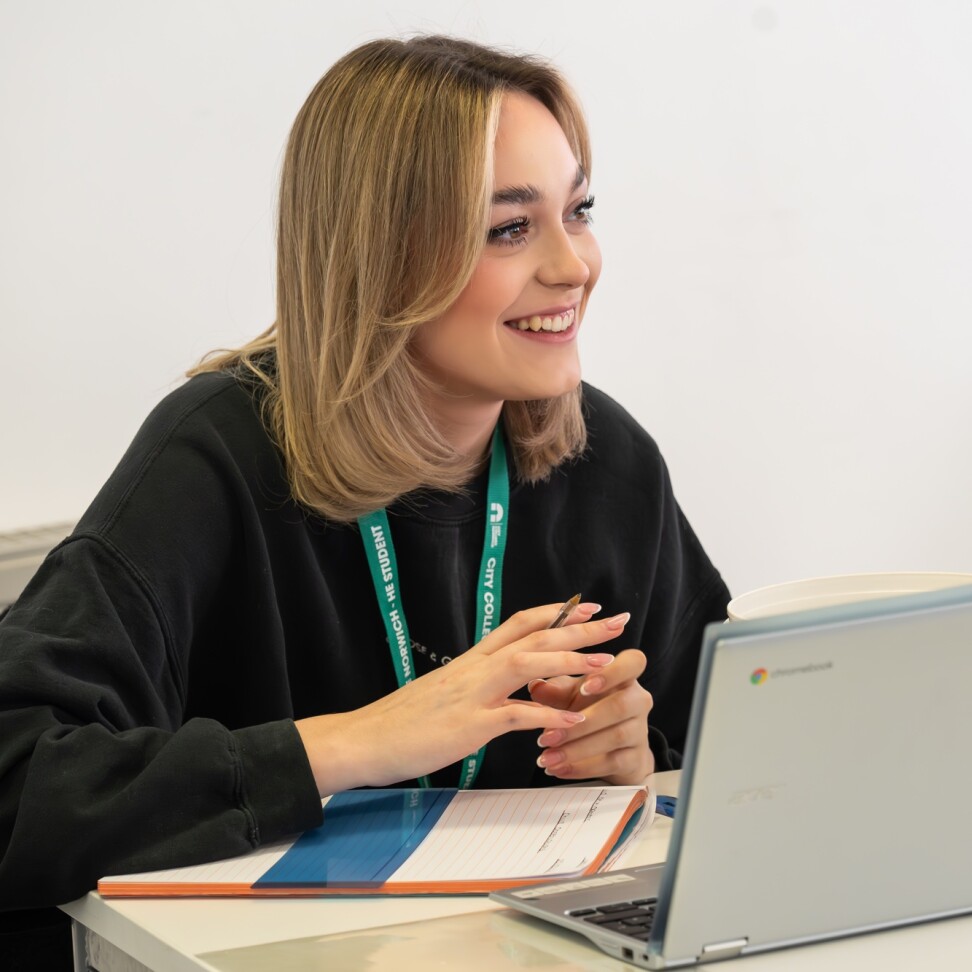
(796,821)
(422,841)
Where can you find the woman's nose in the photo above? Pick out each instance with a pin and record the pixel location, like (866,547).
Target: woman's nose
(562,261)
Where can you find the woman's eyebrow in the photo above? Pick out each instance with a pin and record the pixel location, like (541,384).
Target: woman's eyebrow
(529,195)
(517,196)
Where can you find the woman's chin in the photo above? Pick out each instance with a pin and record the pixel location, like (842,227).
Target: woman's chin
(547,389)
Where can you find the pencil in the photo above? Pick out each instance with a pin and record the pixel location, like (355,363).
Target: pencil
(565,612)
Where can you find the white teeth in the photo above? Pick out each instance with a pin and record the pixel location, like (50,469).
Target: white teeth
(554,324)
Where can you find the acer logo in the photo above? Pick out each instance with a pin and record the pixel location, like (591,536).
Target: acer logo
(741,797)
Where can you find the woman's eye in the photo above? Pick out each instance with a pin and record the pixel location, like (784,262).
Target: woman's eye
(582,212)
(511,233)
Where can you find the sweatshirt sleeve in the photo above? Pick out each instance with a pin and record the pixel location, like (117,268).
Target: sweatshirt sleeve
(98,774)
(694,595)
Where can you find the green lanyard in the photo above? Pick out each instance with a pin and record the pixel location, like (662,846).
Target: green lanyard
(376,536)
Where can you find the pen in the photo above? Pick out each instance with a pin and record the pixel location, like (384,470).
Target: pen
(565,612)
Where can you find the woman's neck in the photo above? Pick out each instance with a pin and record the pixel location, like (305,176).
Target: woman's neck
(468,426)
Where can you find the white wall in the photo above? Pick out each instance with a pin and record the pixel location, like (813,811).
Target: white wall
(783,200)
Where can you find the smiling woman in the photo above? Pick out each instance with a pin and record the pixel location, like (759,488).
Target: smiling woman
(258,607)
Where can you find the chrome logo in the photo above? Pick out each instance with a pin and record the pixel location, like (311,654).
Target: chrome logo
(759,676)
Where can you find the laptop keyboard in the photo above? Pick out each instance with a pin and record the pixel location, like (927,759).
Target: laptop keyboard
(631,918)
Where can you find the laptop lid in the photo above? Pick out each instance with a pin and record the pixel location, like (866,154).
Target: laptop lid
(799,817)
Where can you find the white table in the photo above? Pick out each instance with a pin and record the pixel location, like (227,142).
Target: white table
(460,932)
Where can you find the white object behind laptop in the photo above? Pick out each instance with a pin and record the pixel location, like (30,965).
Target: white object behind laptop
(817,592)
(794,820)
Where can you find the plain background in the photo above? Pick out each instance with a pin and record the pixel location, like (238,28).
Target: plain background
(784,203)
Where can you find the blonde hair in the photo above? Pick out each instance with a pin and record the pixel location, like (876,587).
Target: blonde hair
(384,207)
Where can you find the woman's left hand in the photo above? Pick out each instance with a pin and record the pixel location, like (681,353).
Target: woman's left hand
(612,742)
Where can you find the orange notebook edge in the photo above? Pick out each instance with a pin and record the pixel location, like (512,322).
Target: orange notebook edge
(638,800)
(162,889)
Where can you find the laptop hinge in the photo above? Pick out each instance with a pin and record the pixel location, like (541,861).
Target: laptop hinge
(723,950)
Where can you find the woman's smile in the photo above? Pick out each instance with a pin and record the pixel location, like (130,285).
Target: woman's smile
(558,321)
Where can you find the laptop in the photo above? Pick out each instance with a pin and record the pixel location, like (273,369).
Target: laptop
(796,820)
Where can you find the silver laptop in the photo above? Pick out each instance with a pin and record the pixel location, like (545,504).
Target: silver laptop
(796,819)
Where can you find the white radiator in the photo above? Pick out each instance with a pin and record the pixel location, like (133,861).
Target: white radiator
(21,552)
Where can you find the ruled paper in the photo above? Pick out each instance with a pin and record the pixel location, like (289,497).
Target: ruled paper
(236,870)
(487,834)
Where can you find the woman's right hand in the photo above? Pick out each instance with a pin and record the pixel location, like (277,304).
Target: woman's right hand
(443,716)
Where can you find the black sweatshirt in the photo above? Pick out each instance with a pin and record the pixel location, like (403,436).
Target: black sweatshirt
(151,671)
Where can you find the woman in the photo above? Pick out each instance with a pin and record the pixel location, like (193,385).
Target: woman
(273,596)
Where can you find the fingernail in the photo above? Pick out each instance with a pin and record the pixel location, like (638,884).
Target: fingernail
(593,685)
(550,758)
(551,737)
(618,621)
(589,607)
(600,660)
(574,717)
(534,683)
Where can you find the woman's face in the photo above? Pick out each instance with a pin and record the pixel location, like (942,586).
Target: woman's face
(512,333)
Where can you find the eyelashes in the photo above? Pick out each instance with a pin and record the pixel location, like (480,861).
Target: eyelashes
(583,210)
(514,232)
(511,233)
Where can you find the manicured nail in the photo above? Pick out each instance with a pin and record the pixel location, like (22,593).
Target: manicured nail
(600,660)
(593,685)
(535,683)
(550,758)
(589,607)
(574,717)
(618,621)
(552,737)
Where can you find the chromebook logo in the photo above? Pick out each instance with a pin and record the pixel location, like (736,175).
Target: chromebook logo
(760,675)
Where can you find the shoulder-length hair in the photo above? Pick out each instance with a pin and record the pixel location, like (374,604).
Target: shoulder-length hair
(384,213)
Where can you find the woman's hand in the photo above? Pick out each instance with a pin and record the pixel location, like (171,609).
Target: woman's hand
(612,742)
(451,712)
